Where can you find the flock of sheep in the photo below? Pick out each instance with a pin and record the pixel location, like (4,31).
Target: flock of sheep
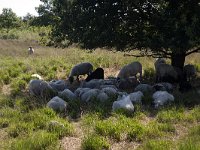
(95,87)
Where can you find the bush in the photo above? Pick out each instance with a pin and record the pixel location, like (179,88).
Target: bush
(94,142)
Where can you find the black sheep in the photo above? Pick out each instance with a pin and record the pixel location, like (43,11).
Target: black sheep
(96,74)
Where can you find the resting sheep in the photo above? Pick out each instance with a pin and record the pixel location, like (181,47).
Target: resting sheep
(144,88)
(80,69)
(162,97)
(41,88)
(67,95)
(57,104)
(130,70)
(128,83)
(124,103)
(189,71)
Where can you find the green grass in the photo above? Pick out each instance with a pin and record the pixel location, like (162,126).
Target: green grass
(95,142)
(28,124)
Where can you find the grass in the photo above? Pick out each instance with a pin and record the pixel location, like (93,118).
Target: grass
(26,123)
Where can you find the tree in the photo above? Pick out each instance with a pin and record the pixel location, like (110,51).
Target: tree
(8,19)
(46,16)
(158,28)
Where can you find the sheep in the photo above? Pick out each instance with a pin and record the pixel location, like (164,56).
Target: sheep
(144,88)
(128,83)
(80,69)
(30,50)
(163,86)
(95,83)
(79,91)
(162,97)
(185,86)
(159,61)
(90,95)
(37,76)
(166,73)
(111,92)
(41,88)
(57,104)
(97,74)
(123,103)
(102,97)
(189,71)
(58,85)
(136,97)
(67,95)
(129,70)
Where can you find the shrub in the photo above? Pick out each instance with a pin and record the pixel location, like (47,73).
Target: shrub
(95,142)
(136,133)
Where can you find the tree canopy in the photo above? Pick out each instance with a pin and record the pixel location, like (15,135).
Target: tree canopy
(8,19)
(158,28)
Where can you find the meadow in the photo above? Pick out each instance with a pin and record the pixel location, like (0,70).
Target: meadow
(27,124)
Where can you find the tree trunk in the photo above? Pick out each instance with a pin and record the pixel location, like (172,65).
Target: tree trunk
(178,60)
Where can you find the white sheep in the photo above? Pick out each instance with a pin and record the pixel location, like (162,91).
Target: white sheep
(123,103)
(162,97)
(37,76)
(30,50)
(67,95)
(80,69)
(166,73)
(130,70)
(189,71)
(136,97)
(90,95)
(57,104)
(41,88)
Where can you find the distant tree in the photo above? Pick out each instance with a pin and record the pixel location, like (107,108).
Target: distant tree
(46,16)
(8,19)
(158,28)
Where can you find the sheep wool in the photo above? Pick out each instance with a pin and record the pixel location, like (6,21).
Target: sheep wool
(166,73)
(67,95)
(162,97)
(136,97)
(57,104)
(124,103)
(80,69)
(130,70)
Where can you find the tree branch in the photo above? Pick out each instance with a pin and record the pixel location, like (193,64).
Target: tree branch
(193,51)
(147,55)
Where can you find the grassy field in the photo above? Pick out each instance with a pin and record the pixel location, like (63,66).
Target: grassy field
(25,122)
